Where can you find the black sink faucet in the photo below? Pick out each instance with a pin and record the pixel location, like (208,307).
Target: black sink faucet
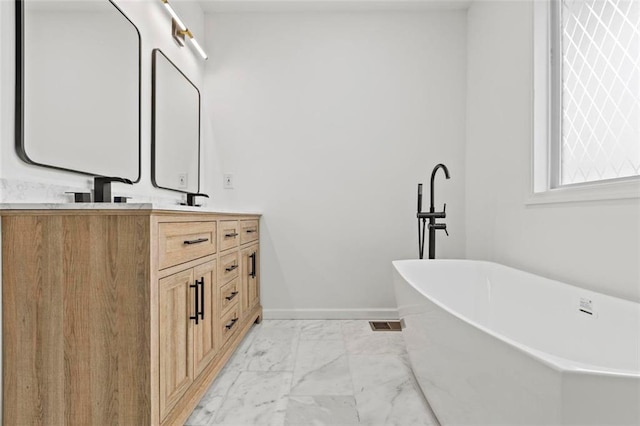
(191,199)
(432,215)
(102,188)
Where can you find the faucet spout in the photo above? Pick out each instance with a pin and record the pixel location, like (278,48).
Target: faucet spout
(191,198)
(433,176)
(102,187)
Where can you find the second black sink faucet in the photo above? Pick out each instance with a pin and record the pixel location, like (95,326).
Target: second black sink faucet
(432,215)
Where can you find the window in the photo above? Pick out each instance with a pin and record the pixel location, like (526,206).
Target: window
(591,105)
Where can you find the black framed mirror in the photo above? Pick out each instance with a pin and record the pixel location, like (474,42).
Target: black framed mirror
(78,81)
(175,127)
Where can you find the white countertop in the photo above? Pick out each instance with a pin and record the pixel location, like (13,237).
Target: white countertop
(120,206)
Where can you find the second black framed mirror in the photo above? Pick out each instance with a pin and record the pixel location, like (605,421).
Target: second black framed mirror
(175,127)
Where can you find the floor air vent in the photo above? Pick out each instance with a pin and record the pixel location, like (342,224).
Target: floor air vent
(385,325)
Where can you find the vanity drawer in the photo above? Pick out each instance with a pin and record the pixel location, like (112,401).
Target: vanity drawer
(248,231)
(229,234)
(181,242)
(229,265)
(228,295)
(229,323)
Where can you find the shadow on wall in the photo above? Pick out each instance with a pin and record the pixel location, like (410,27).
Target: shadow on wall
(272,272)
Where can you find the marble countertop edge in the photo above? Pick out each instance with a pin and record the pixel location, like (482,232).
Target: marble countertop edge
(123,206)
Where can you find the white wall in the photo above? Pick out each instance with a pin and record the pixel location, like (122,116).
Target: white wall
(328,121)
(3,87)
(2,96)
(595,245)
(154,24)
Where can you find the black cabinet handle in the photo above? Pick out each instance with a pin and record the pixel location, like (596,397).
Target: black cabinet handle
(231,235)
(195,306)
(231,268)
(232,295)
(198,241)
(250,231)
(252,274)
(231,323)
(201,284)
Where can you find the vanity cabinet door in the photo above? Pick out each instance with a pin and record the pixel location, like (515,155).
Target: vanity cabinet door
(250,277)
(176,309)
(205,341)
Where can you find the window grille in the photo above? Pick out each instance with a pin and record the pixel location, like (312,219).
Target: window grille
(596,81)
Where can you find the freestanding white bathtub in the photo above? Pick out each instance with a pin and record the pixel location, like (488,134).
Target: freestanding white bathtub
(494,345)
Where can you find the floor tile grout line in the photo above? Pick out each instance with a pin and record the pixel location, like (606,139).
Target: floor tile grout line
(228,389)
(416,385)
(353,384)
(224,399)
(293,369)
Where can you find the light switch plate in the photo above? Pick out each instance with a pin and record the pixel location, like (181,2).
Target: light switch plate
(182,180)
(228,181)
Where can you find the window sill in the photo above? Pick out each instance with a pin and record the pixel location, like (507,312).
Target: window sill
(589,192)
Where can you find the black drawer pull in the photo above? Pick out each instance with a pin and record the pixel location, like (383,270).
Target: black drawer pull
(252,274)
(231,323)
(198,241)
(231,235)
(197,304)
(232,295)
(231,268)
(250,231)
(201,284)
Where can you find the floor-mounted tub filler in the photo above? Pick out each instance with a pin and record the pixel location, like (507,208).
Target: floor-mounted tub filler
(494,345)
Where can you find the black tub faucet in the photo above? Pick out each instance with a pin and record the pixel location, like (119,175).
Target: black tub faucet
(432,215)
(102,188)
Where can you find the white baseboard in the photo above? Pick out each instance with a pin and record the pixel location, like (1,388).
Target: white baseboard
(344,314)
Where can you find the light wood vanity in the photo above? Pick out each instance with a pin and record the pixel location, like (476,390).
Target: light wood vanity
(121,316)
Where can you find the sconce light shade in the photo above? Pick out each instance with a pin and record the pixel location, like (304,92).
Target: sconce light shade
(175,16)
(198,48)
(179,30)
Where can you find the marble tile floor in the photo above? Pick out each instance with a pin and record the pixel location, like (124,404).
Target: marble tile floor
(315,372)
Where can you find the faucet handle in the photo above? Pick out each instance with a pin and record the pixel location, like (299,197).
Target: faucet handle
(437,226)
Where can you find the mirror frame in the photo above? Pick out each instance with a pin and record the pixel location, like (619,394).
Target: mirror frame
(19,94)
(154,56)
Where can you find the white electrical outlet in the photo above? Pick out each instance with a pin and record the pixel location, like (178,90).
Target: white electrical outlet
(182,180)
(228,181)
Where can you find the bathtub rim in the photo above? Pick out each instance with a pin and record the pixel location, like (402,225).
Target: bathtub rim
(560,364)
